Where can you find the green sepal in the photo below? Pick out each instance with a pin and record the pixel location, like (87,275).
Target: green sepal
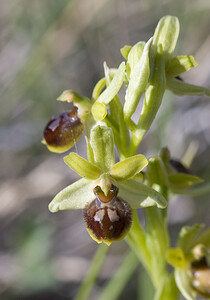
(180,64)
(188,236)
(138,80)
(180,181)
(139,195)
(125,51)
(74,196)
(166,35)
(176,258)
(102,143)
(204,238)
(134,56)
(82,167)
(156,171)
(90,153)
(111,91)
(129,167)
(181,88)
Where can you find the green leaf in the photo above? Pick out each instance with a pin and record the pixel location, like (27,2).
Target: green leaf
(180,64)
(83,167)
(184,284)
(139,195)
(188,236)
(125,51)
(74,196)
(138,80)
(166,35)
(183,181)
(129,167)
(179,87)
(102,143)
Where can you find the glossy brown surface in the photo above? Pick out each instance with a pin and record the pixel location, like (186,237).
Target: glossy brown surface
(179,167)
(200,273)
(109,221)
(63,129)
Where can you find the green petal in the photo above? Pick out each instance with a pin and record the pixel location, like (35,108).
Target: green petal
(175,257)
(102,143)
(187,237)
(184,284)
(128,167)
(166,34)
(139,195)
(98,88)
(83,167)
(138,80)
(180,64)
(179,87)
(111,91)
(74,196)
(180,181)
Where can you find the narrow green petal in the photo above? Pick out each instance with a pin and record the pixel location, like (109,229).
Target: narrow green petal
(180,64)
(138,80)
(83,167)
(183,181)
(166,34)
(111,91)
(102,143)
(128,167)
(179,87)
(98,88)
(139,195)
(74,196)
(125,51)
(184,285)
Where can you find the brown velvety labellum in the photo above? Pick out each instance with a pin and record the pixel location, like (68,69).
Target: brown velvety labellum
(108,221)
(63,129)
(200,273)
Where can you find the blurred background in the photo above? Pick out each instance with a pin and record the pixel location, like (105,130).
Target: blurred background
(47,46)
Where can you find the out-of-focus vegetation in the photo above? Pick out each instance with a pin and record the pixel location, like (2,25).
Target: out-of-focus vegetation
(47,46)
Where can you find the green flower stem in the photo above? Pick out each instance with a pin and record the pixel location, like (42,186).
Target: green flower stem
(92,274)
(116,284)
(157,243)
(137,241)
(168,289)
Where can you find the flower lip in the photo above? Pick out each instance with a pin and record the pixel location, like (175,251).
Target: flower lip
(107,221)
(63,130)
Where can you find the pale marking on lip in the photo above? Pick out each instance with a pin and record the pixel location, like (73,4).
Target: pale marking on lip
(99,215)
(113,216)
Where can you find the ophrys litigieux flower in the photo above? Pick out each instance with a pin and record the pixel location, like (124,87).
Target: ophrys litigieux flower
(108,191)
(191,260)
